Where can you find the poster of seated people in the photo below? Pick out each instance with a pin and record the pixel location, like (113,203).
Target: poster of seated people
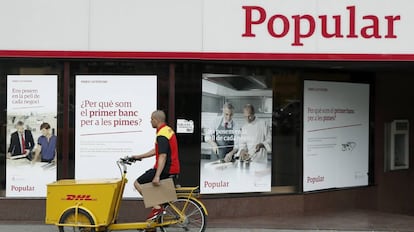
(113,120)
(236,124)
(31,134)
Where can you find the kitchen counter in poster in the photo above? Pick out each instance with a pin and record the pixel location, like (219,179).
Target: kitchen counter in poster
(234,177)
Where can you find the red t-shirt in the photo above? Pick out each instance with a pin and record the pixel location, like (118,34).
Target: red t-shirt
(166,143)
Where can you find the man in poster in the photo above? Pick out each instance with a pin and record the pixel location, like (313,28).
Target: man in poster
(255,139)
(222,136)
(21,142)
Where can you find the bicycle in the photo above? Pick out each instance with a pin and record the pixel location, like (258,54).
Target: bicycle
(93,205)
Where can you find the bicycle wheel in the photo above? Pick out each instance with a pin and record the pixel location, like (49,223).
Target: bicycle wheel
(69,217)
(195,220)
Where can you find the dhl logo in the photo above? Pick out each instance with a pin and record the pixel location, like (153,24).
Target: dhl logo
(78,197)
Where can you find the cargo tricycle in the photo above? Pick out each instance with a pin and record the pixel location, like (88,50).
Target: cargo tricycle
(93,205)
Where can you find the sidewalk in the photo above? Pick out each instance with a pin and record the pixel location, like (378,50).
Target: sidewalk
(43,228)
(46,228)
(355,220)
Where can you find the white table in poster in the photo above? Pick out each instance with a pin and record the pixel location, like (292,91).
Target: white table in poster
(28,179)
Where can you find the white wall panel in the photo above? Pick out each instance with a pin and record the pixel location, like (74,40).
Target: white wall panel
(139,25)
(44,24)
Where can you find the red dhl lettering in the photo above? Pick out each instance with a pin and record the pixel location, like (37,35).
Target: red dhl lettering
(78,197)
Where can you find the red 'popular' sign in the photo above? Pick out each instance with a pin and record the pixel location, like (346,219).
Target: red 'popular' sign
(371,28)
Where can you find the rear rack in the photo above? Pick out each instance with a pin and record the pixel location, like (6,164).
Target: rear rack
(188,191)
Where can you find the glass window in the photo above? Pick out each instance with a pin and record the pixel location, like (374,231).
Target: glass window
(204,93)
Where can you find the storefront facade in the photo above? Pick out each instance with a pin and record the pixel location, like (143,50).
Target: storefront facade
(340,70)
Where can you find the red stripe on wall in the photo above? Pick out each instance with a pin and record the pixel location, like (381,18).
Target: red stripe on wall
(204,55)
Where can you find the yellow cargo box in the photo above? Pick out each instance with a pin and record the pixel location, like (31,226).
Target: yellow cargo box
(98,197)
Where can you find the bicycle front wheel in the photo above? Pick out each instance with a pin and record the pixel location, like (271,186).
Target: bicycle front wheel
(195,217)
(83,218)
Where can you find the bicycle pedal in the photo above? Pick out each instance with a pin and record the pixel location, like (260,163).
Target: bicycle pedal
(150,230)
(156,218)
(161,214)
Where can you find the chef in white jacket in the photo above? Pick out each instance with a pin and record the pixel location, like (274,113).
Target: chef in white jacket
(255,138)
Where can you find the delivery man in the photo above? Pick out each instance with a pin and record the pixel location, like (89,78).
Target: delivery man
(167,163)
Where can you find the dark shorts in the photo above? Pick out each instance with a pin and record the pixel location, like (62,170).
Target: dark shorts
(148,176)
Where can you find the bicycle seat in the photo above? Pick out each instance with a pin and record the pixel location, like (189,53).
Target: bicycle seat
(175,180)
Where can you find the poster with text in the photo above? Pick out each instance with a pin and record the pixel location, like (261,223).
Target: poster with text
(335,135)
(236,124)
(31,136)
(113,115)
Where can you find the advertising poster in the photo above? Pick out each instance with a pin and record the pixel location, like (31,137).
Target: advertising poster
(31,134)
(236,121)
(113,115)
(335,135)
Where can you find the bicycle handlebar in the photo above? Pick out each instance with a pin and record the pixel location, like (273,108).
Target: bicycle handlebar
(124,161)
(128,160)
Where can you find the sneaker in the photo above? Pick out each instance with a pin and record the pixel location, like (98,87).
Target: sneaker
(155,213)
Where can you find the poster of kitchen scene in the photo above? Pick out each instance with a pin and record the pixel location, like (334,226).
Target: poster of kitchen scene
(236,121)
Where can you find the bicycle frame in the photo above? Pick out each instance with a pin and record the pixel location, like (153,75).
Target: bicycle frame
(182,192)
